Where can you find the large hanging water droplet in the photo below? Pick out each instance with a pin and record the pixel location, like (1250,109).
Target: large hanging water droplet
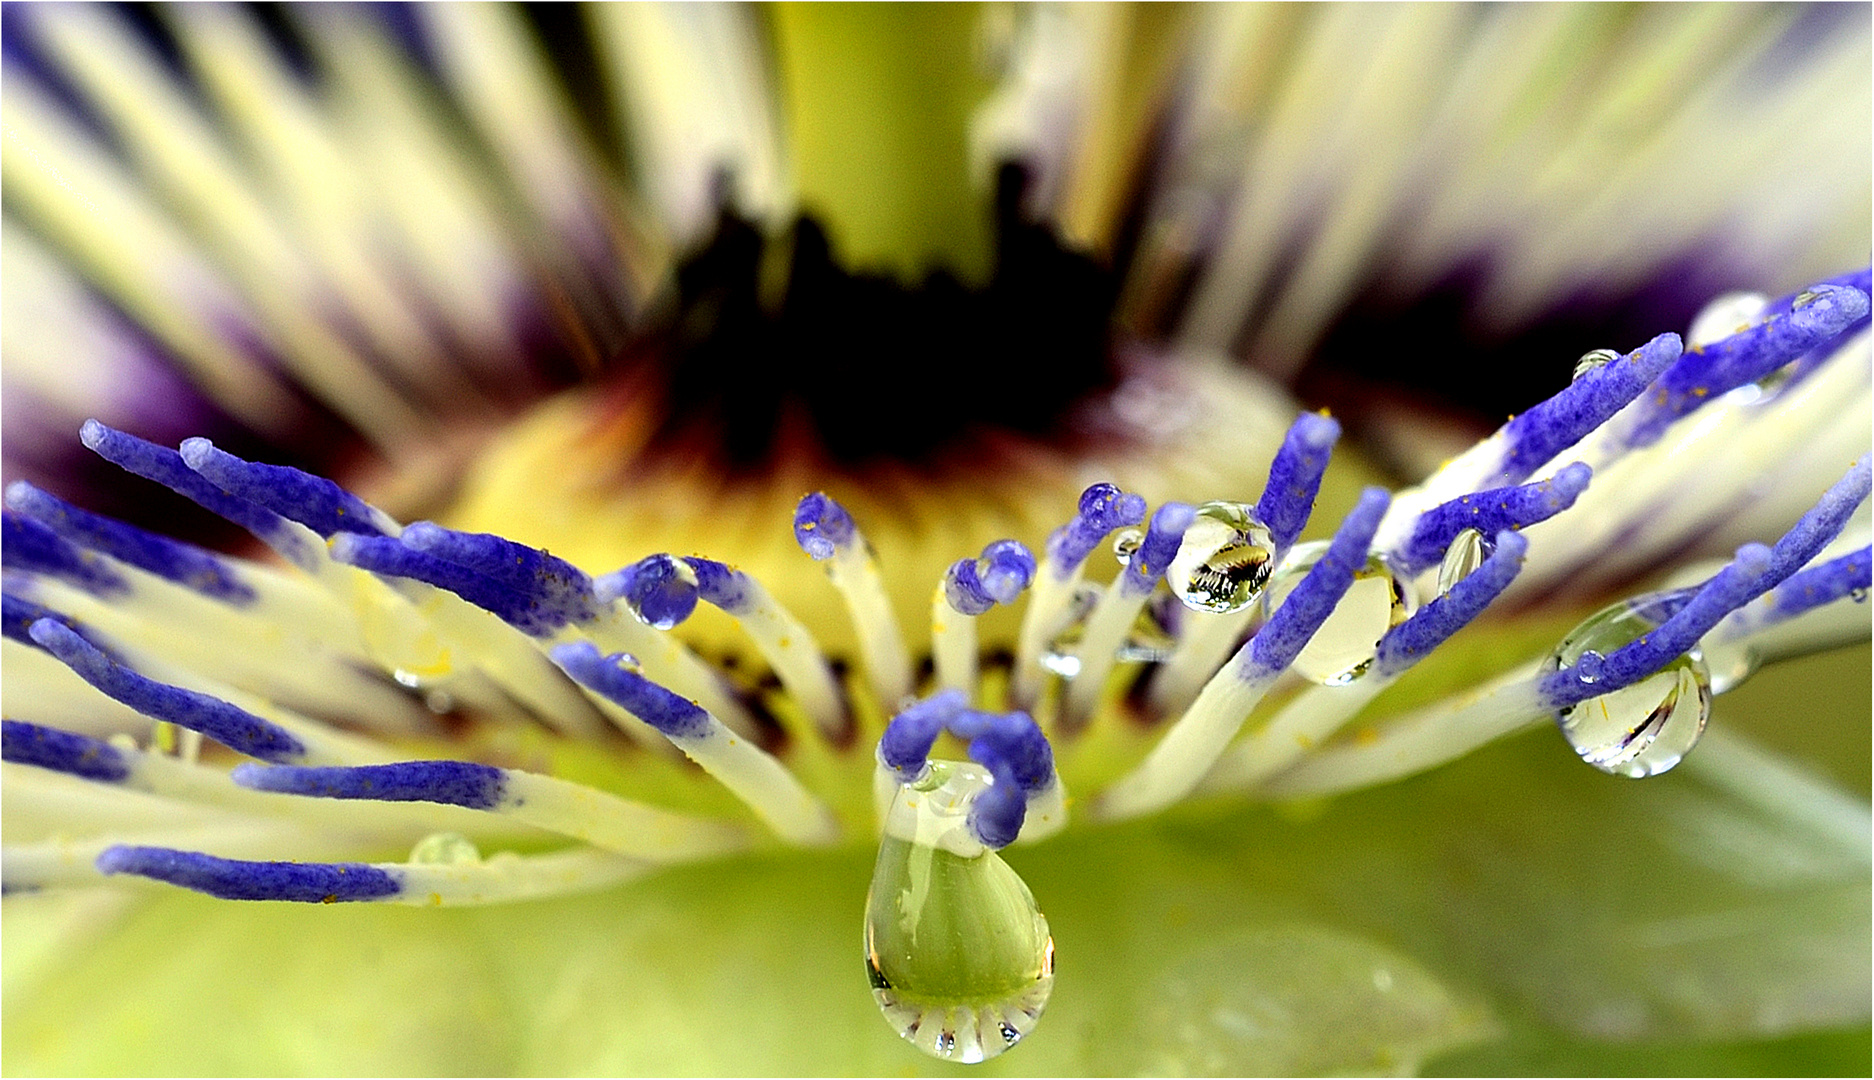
(960,959)
(1593,361)
(1645,728)
(1344,647)
(1466,553)
(1224,560)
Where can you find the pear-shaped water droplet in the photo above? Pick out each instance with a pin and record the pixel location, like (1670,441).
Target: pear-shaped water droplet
(1344,647)
(1061,656)
(1594,361)
(1125,542)
(1224,560)
(1154,634)
(1647,727)
(1467,552)
(445,848)
(959,957)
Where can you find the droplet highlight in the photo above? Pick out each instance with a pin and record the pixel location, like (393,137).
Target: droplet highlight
(960,958)
(1125,543)
(445,849)
(1224,560)
(1467,552)
(1343,648)
(1645,728)
(1593,361)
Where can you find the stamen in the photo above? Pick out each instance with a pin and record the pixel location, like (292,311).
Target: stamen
(1118,609)
(1815,529)
(1534,437)
(827,533)
(234,728)
(166,467)
(184,564)
(1815,316)
(61,751)
(755,777)
(1729,590)
(384,555)
(1489,513)
(1295,478)
(1429,627)
(25,544)
(623,826)
(783,640)
(1193,744)
(1010,746)
(313,501)
(969,588)
(1103,508)
(529,571)
(231,879)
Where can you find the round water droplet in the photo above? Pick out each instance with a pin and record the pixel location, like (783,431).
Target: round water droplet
(960,959)
(1125,542)
(1594,361)
(445,848)
(1588,666)
(1731,313)
(1224,561)
(1804,298)
(1467,552)
(1344,647)
(1645,728)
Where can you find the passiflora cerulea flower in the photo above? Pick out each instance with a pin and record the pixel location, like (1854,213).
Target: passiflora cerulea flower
(872,548)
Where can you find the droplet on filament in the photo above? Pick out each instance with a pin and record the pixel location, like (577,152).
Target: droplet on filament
(1649,726)
(960,959)
(1344,647)
(1224,560)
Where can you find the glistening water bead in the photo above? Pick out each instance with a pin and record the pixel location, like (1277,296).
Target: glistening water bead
(1466,553)
(1344,647)
(1645,728)
(960,959)
(1224,560)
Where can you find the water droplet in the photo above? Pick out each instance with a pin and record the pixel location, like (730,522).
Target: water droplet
(1224,561)
(960,959)
(1594,361)
(1467,552)
(1125,542)
(1344,647)
(668,594)
(1589,665)
(1859,596)
(1731,313)
(1154,633)
(1804,298)
(445,848)
(1645,728)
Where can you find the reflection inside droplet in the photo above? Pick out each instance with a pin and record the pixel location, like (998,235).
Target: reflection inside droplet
(1594,361)
(1224,560)
(1647,727)
(1344,647)
(960,959)
(1466,553)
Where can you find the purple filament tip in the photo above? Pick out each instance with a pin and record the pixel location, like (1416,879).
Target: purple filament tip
(822,526)
(26,544)
(555,582)
(1490,512)
(973,586)
(313,501)
(1730,589)
(181,563)
(1286,633)
(1429,627)
(234,728)
(1103,508)
(166,467)
(1816,529)
(61,751)
(234,879)
(906,744)
(1158,548)
(611,677)
(1295,478)
(384,555)
(721,584)
(455,783)
(1823,584)
(21,614)
(1706,373)
(1536,436)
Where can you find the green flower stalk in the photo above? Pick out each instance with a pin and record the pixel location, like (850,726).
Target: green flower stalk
(804,558)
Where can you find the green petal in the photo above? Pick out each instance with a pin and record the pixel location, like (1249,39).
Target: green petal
(1715,919)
